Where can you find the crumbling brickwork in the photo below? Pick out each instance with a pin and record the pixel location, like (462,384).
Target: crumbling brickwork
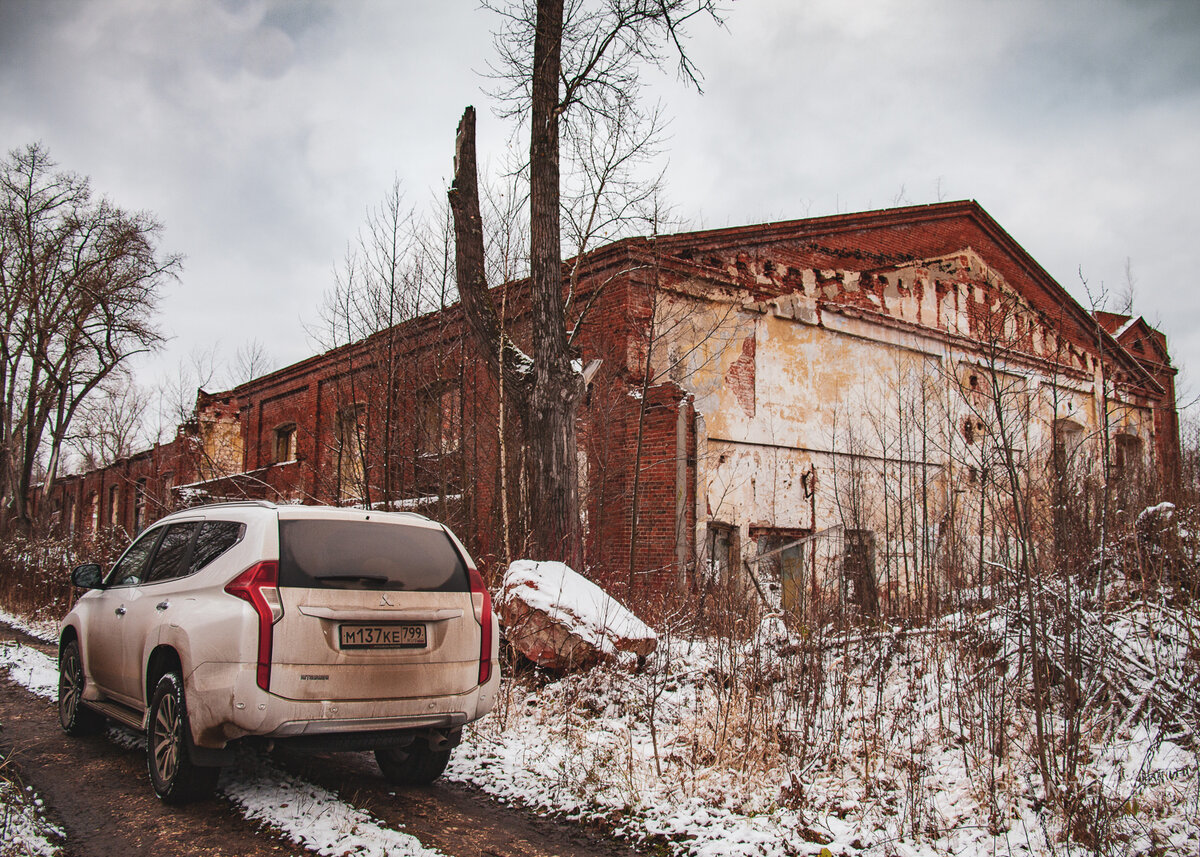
(748,379)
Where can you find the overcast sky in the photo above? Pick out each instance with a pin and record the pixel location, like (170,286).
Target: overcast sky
(260,133)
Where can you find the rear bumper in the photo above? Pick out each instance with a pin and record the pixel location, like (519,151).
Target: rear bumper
(375,740)
(225,703)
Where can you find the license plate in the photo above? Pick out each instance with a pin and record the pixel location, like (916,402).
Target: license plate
(410,636)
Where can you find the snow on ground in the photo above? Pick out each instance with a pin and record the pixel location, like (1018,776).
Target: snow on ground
(876,745)
(42,629)
(24,830)
(907,742)
(311,816)
(307,815)
(33,670)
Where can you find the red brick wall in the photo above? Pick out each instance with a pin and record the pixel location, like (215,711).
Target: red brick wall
(437,352)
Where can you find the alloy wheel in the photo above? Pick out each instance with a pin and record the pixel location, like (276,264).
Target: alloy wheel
(70,685)
(166,737)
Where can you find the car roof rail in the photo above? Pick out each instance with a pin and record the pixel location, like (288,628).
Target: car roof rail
(412,515)
(262,504)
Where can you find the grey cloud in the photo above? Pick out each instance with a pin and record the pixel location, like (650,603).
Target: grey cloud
(260,132)
(268,52)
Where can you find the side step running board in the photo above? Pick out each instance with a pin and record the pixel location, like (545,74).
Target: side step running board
(120,713)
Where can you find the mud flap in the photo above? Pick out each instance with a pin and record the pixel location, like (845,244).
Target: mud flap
(208,757)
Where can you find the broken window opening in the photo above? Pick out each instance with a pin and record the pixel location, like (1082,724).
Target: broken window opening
(785,567)
(859,585)
(439,420)
(114,505)
(722,549)
(1126,458)
(285,443)
(351,445)
(1068,437)
(139,506)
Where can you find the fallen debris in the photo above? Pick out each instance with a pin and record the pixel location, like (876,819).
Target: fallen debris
(561,620)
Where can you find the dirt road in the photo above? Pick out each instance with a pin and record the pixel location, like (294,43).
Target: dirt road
(97,790)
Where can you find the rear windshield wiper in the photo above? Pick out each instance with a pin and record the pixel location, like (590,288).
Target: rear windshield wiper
(362,578)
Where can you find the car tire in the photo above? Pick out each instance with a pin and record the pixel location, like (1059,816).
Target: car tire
(74,717)
(414,765)
(174,777)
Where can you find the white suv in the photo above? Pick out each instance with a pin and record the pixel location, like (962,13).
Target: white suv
(328,628)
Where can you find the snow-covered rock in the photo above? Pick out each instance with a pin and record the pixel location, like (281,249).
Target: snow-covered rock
(559,619)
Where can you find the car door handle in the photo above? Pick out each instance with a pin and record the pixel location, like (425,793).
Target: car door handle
(120,611)
(162,605)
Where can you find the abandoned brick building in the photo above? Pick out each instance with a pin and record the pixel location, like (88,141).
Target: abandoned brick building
(848,388)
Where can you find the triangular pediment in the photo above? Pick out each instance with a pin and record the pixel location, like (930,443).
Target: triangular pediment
(1143,342)
(773,259)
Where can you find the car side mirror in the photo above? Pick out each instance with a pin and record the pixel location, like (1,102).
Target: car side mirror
(87,576)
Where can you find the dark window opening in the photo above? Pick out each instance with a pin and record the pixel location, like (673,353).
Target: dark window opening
(858,571)
(285,444)
(139,506)
(1126,458)
(439,421)
(722,551)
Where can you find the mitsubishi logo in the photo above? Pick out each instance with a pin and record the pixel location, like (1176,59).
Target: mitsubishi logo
(383,602)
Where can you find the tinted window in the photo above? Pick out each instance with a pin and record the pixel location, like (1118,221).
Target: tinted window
(172,551)
(368,555)
(129,567)
(214,539)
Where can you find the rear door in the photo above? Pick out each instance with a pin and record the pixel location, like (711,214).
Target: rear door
(150,605)
(375,606)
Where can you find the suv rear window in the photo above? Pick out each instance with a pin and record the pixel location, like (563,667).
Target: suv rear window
(368,555)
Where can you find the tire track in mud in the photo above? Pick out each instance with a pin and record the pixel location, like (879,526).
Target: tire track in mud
(452,818)
(98,793)
(96,789)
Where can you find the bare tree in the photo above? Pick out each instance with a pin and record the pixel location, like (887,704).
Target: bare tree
(554,58)
(250,361)
(396,414)
(79,284)
(110,424)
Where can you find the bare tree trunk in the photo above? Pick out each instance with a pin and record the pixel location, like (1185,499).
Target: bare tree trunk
(502,442)
(554,396)
(505,361)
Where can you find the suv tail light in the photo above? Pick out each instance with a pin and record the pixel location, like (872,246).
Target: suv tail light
(481,599)
(259,585)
